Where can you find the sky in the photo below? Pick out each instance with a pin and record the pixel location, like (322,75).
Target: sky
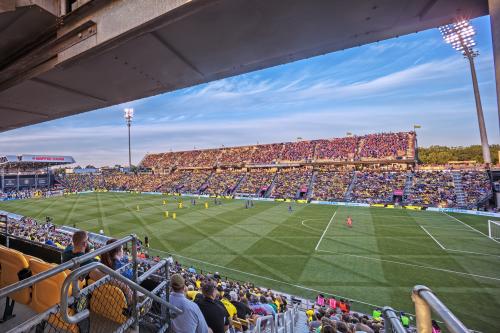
(380,87)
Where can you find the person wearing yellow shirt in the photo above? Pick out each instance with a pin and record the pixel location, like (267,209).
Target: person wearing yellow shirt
(191,293)
(230,308)
(309,314)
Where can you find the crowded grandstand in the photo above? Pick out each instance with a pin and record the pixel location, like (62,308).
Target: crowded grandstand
(376,169)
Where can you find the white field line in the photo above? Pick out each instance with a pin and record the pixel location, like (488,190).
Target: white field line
(324,232)
(471,252)
(482,233)
(267,278)
(434,239)
(308,226)
(414,265)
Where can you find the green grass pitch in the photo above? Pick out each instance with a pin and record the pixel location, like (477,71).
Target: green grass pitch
(310,249)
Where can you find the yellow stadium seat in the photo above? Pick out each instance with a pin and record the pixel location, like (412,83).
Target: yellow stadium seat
(110,302)
(12,263)
(56,321)
(46,293)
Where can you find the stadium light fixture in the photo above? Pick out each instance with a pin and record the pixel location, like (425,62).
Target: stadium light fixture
(460,36)
(128,114)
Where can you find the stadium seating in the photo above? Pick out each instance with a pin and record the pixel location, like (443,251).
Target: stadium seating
(13,262)
(256,182)
(331,184)
(377,187)
(380,146)
(386,145)
(267,154)
(338,149)
(433,188)
(242,170)
(292,183)
(223,182)
(476,186)
(429,188)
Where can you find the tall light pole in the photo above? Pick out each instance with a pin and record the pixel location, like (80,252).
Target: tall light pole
(460,36)
(129,114)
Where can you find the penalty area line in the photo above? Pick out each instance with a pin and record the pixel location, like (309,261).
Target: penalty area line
(482,233)
(434,239)
(414,265)
(324,232)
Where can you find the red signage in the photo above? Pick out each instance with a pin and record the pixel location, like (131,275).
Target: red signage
(47,158)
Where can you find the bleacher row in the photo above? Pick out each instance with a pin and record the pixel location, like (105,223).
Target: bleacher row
(325,183)
(380,146)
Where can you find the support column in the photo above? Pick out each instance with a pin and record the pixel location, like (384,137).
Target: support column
(494,9)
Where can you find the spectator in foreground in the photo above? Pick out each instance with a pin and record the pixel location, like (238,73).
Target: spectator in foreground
(213,310)
(191,319)
(78,248)
(115,260)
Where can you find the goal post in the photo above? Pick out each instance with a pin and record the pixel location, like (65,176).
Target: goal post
(494,229)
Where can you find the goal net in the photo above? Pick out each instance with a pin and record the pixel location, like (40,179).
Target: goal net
(494,229)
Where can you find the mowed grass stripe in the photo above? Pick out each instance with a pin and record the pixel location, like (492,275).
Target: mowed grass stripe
(270,242)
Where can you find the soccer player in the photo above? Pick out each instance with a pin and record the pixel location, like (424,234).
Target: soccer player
(290,208)
(349,222)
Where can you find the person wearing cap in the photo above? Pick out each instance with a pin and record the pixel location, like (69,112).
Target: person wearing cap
(191,319)
(213,310)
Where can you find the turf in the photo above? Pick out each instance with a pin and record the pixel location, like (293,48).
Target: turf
(310,249)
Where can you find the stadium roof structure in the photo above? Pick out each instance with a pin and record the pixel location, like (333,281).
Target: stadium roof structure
(24,162)
(57,61)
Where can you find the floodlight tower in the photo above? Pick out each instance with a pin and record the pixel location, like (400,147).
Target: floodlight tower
(460,36)
(129,114)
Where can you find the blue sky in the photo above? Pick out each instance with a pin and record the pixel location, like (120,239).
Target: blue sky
(385,86)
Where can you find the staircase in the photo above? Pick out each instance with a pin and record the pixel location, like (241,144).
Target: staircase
(206,182)
(348,193)
(310,188)
(270,188)
(408,184)
(240,181)
(459,191)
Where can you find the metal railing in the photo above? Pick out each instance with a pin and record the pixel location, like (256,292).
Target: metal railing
(278,323)
(391,321)
(73,263)
(425,301)
(83,271)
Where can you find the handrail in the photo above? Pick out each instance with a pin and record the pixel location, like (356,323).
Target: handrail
(151,271)
(392,322)
(258,323)
(73,276)
(4,292)
(425,300)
